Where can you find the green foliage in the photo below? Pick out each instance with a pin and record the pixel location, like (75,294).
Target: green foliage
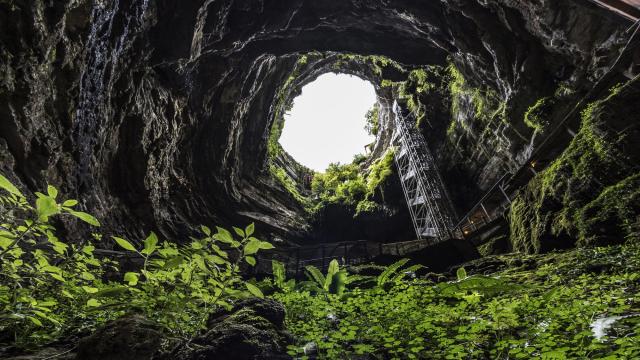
(288,184)
(486,104)
(588,192)
(51,288)
(372,120)
(385,276)
(332,283)
(537,116)
(542,310)
(349,185)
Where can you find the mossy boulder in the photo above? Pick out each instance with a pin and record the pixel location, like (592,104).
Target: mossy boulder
(252,330)
(128,338)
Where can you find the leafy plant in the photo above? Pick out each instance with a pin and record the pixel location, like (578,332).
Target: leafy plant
(335,280)
(394,272)
(51,288)
(543,311)
(280,277)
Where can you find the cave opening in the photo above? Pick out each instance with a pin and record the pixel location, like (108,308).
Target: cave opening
(326,122)
(150,201)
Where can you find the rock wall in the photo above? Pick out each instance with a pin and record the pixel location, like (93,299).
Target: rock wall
(157,114)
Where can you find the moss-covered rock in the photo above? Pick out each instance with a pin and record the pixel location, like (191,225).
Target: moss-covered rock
(589,195)
(127,338)
(253,329)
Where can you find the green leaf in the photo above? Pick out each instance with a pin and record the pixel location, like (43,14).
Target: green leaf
(254,290)
(93,303)
(249,229)
(279,273)
(223,235)
(124,244)
(132,278)
(333,269)
(265,245)
(46,206)
(315,275)
(88,249)
(35,321)
(8,186)
(250,260)
(70,203)
(87,276)
(239,231)
(85,217)
(89,289)
(461,274)
(57,276)
(389,271)
(252,247)
(205,230)
(150,244)
(5,242)
(52,191)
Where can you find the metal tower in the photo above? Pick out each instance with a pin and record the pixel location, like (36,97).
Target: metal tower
(429,205)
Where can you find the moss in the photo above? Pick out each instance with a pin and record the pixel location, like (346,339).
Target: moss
(380,170)
(288,184)
(537,116)
(349,185)
(588,195)
(615,211)
(486,104)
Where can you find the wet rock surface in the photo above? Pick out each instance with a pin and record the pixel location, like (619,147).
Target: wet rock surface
(128,338)
(252,330)
(156,113)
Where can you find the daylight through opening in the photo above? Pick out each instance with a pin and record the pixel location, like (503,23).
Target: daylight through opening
(327,121)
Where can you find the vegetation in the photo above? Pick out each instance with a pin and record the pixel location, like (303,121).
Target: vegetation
(372,120)
(586,193)
(537,115)
(543,306)
(51,288)
(349,185)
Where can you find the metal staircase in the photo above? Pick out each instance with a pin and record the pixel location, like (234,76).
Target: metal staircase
(429,205)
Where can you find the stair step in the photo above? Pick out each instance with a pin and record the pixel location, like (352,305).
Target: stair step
(409,175)
(418,201)
(429,232)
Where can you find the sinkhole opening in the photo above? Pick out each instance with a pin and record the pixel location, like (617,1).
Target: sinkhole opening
(326,123)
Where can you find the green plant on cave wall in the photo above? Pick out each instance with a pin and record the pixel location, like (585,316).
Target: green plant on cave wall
(589,194)
(372,120)
(49,287)
(537,116)
(350,185)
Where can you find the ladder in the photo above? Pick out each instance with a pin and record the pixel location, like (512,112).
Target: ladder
(431,210)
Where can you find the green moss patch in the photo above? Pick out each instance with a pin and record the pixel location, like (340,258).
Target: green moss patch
(589,194)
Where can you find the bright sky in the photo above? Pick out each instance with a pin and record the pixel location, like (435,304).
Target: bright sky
(326,123)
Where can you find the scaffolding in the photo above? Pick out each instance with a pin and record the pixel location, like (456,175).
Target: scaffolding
(430,207)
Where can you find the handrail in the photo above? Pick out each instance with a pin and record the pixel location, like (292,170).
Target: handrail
(481,201)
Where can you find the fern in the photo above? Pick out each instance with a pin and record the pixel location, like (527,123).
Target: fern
(334,268)
(389,271)
(279,273)
(315,275)
(338,282)
(406,271)
(461,274)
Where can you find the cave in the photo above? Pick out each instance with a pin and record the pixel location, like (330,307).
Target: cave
(505,152)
